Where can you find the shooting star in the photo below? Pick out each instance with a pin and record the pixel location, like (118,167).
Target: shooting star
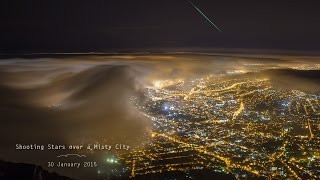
(204,15)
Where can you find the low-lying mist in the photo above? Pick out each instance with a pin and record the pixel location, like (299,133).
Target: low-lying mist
(87,98)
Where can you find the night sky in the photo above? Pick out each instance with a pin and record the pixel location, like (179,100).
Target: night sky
(106,25)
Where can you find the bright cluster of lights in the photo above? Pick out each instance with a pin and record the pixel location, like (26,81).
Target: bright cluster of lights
(112,161)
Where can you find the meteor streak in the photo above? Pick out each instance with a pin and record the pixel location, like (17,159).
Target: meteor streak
(204,15)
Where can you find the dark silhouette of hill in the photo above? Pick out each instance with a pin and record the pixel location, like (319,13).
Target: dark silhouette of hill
(19,171)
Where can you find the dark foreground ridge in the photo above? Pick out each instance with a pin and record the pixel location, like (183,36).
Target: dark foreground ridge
(12,171)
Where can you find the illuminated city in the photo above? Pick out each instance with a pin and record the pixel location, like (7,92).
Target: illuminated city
(159,90)
(168,116)
(235,125)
